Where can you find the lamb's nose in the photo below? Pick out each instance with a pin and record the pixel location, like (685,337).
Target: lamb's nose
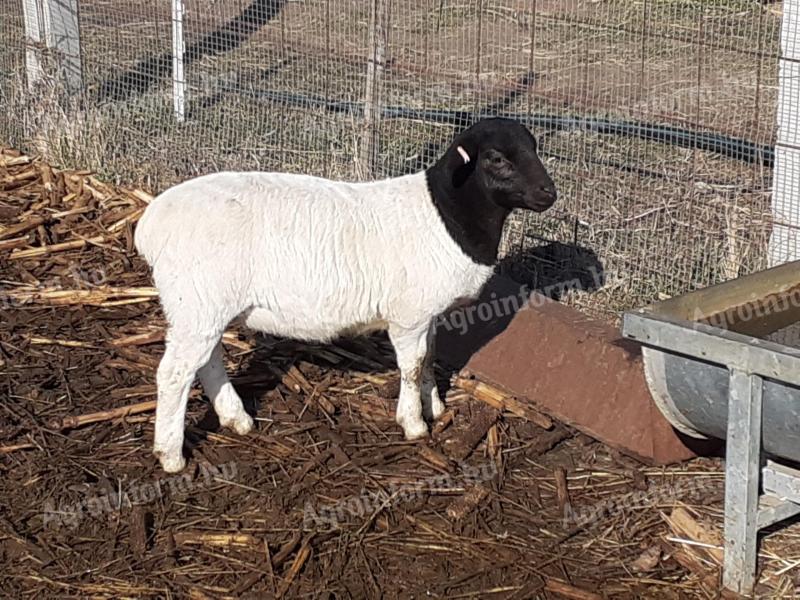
(549,191)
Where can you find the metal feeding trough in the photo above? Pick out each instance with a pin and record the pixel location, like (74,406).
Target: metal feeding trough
(721,362)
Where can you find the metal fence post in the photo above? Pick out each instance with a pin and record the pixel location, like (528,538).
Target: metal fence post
(784,245)
(742,472)
(178,48)
(53,26)
(34,41)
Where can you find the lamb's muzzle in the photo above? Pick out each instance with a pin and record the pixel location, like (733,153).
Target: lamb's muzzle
(314,259)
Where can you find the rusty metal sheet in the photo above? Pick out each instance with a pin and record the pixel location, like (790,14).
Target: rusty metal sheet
(574,368)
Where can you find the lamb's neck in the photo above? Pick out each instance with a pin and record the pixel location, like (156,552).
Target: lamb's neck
(474,223)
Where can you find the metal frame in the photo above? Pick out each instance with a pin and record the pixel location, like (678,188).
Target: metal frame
(749,360)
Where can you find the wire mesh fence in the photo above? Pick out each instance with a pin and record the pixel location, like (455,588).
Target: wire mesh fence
(657,118)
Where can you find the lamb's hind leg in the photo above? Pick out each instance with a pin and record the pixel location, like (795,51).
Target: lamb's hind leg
(219,389)
(410,345)
(185,353)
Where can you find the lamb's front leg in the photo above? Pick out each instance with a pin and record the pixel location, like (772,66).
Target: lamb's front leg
(410,345)
(432,405)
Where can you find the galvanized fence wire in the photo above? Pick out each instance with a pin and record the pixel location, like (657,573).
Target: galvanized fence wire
(657,118)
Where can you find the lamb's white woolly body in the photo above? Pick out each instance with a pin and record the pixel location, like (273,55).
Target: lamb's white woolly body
(302,257)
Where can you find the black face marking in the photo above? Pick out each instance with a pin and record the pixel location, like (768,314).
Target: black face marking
(475,198)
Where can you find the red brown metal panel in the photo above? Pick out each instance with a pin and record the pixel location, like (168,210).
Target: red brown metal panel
(577,369)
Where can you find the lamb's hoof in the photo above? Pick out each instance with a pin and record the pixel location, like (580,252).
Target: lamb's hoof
(415,431)
(242,424)
(171,463)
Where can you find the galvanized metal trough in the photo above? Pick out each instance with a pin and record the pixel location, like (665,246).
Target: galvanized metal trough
(719,363)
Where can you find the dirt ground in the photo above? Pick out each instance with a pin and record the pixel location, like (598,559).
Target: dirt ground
(325,499)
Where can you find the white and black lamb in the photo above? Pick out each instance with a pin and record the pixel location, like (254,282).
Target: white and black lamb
(313,259)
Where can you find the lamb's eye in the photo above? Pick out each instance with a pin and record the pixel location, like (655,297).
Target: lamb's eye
(498,161)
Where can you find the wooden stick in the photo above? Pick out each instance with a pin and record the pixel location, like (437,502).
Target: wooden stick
(494,447)
(221,540)
(685,526)
(70,212)
(104,415)
(124,302)
(140,339)
(297,565)
(141,195)
(443,422)
(96,194)
(15,447)
(465,504)
(466,439)
(137,525)
(502,401)
(95,297)
(45,250)
(131,218)
(370,377)
(547,441)
(569,591)
(64,343)
(437,459)
(562,492)
(15,161)
(136,356)
(14,243)
(270,570)
(231,339)
(708,578)
(326,405)
(31,173)
(27,225)
(296,381)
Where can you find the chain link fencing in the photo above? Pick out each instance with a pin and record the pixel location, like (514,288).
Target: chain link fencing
(657,118)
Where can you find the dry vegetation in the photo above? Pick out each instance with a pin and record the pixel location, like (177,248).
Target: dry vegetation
(80,338)
(81,332)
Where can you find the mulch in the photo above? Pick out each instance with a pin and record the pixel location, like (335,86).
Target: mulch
(324,499)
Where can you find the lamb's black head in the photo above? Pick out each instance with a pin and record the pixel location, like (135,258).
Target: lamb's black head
(500,157)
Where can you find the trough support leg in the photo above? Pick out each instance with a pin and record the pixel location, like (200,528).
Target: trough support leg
(742,471)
